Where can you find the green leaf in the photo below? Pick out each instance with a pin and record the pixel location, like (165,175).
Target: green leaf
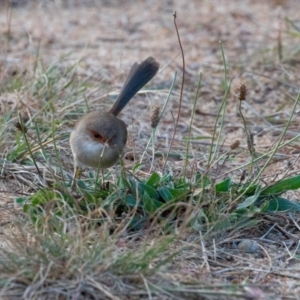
(169,194)
(138,222)
(282,186)
(150,190)
(130,201)
(165,193)
(81,184)
(250,189)
(26,208)
(282,204)
(133,186)
(250,200)
(138,189)
(165,178)
(178,193)
(223,186)
(41,197)
(265,206)
(202,181)
(150,204)
(20,200)
(136,166)
(153,180)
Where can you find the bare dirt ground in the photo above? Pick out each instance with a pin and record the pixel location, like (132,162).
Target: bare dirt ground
(103,40)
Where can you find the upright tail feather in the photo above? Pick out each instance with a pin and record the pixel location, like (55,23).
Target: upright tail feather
(139,75)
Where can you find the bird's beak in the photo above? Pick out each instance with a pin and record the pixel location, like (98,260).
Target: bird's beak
(108,143)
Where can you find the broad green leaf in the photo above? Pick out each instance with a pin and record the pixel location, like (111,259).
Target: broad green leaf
(283,204)
(223,186)
(42,197)
(169,194)
(177,193)
(138,222)
(26,208)
(130,201)
(20,200)
(181,185)
(135,187)
(265,206)
(165,193)
(150,204)
(250,200)
(250,189)
(153,180)
(81,184)
(150,190)
(282,186)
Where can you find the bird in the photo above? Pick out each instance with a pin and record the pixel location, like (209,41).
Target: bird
(99,137)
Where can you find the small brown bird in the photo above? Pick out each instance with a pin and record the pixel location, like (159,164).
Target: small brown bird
(100,137)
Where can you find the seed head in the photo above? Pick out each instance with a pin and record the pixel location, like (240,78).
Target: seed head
(242,91)
(235,145)
(21,127)
(154,118)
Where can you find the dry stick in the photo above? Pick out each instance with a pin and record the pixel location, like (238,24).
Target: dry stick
(181,90)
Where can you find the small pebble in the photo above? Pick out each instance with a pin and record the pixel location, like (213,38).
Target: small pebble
(248,246)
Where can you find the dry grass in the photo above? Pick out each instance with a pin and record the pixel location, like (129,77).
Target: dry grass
(60,59)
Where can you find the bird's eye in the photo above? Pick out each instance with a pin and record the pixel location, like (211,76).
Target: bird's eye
(97,135)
